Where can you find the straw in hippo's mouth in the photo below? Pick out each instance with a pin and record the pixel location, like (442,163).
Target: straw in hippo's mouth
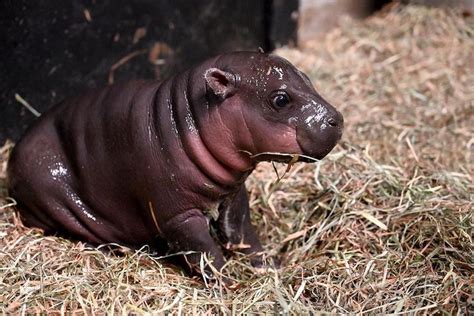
(281,157)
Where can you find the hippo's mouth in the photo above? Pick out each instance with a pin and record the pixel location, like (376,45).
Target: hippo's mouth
(282,157)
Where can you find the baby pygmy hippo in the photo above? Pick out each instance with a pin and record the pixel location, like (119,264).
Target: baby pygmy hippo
(158,163)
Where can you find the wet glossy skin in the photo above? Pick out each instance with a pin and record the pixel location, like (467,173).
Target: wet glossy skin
(157,163)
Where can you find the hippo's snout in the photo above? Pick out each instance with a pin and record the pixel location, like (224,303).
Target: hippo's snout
(319,131)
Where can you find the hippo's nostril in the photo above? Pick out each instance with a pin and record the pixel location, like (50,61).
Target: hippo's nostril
(332,121)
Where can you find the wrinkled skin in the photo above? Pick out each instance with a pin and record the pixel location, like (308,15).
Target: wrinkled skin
(158,163)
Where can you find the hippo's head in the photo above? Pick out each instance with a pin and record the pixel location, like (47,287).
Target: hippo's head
(279,112)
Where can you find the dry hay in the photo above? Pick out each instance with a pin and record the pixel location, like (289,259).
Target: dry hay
(382,225)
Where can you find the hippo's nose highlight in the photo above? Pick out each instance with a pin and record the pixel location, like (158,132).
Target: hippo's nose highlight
(318,141)
(332,121)
(335,120)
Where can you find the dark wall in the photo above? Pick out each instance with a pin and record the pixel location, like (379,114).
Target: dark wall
(54,48)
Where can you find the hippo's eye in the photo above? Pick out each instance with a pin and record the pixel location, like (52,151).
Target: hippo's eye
(281,99)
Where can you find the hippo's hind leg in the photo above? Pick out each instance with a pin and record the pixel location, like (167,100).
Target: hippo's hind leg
(237,231)
(40,182)
(189,232)
(56,210)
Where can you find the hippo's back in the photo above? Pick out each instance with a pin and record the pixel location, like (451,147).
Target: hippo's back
(62,175)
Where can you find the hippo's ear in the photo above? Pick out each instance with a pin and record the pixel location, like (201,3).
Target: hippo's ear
(222,83)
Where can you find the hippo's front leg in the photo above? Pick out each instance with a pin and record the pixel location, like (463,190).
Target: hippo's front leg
(237,231)
(189,231)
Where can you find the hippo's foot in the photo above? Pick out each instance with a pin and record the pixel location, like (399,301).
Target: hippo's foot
(189,234)
(271,264)
(236,230)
